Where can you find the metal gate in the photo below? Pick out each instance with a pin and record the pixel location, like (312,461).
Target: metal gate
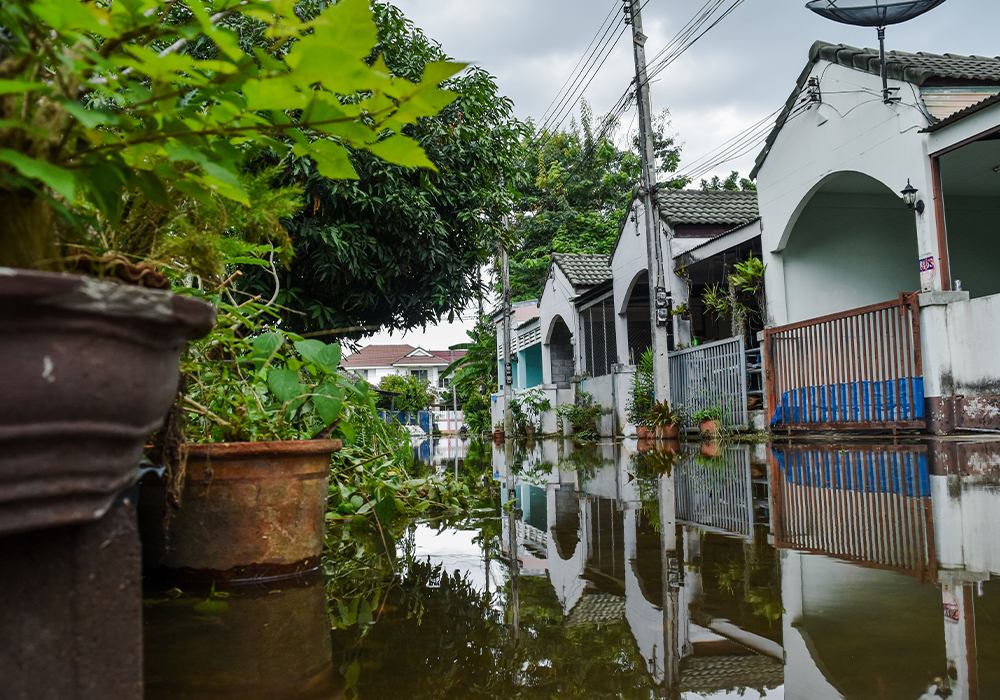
(714,374)
(860,369)
(716,495)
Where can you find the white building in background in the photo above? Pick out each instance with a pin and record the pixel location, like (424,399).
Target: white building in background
(375,362)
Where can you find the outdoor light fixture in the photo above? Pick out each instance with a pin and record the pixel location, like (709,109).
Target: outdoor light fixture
(910,198)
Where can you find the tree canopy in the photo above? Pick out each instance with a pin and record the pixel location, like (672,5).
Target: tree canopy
(402,247)
(574,187)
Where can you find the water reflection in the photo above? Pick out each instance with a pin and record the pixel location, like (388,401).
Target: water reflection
(622,570)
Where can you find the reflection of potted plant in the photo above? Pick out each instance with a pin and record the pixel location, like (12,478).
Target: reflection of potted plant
(246,491)
(709,420)
(534,403)
(667,420)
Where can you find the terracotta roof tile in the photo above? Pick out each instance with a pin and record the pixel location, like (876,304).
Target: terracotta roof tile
(377,355)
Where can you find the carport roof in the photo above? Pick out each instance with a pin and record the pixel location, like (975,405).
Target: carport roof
(916,68)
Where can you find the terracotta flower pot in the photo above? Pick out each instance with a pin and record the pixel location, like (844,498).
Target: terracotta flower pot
(671,432)
(90,370)
(249,510)
(498,436)
(642,432)
(710,427)
(529,430)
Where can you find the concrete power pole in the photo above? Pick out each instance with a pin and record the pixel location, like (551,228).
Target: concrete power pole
(508,366)
(659,306)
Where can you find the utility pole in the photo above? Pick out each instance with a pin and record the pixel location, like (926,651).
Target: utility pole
(508,367)
(659,302)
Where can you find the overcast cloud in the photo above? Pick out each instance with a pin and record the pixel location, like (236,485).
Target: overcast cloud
(737,74)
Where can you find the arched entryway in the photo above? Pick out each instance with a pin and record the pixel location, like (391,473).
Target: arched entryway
(637,319)
(853,244)
(560,342)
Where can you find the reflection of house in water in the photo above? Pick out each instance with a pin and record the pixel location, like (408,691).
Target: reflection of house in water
(614,554)
(917,525)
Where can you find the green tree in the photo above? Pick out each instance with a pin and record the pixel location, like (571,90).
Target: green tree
(575,186)
(402,247)
(732,183)
(414,394)
(474,375)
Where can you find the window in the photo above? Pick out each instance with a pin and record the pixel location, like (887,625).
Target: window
(443,383)
(420,374)
(600,350)
(363,373)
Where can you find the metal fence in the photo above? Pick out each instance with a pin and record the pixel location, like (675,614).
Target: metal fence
(600,346)
(866,504)
(715,494)
(857,369)
(714,374)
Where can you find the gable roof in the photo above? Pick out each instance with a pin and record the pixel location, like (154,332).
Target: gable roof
(583,270)
(377,355)
(392,355)
(916,68)
(695,207)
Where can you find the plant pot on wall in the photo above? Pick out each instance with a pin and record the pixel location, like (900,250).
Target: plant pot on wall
(710,428)
(250,510)
(90,371)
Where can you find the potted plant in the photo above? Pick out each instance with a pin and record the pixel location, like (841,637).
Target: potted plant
(582,415)
(111,151)
(498,432)
(667,420)
(534,403)
(709,420)
(641,396)
(248,449)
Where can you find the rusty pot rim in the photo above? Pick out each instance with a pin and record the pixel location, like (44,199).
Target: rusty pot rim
(75,292)
(263,448)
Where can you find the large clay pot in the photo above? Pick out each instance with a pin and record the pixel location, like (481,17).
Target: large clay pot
(710,428)
(90,370)
(249,511)
(642,432)
(671,432)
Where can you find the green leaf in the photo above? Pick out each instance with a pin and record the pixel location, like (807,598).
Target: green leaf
(62,181)
(285,384)
(326,356)
(351,675)
(90,118)
(8,86)
(331,160)
(264,348)
(211,607)
(328,402)
(402,150)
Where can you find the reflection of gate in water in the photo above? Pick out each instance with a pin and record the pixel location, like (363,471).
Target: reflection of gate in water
(715,493)
(866,504)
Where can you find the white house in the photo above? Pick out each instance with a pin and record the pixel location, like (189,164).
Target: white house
(847,350)
(375,362)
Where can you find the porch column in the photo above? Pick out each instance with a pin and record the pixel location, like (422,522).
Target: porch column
(935,347)
(932,232)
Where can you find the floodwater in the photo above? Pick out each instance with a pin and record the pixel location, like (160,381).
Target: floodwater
(806,571)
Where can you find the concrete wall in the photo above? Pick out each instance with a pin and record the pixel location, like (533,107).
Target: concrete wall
(973,333)
(973,228)
(849,250)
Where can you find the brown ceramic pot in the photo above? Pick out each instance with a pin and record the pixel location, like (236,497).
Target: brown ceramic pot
(671,432)
(642,432)
(710,427)
(249,510)
(90,370)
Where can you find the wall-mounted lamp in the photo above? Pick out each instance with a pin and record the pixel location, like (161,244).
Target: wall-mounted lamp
(910,198)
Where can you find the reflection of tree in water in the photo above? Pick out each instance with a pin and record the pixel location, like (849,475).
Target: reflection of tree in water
(742,582)
(584,458)
(441,638)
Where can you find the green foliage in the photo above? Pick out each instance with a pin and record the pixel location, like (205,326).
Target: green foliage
(401,247)
(642,391)
(575,189)
(474,375)
(732,183)
(708,414)
(582,415)
(477,413)
(660,414)
(414,394)
(742,299)
(246,384)
(104,104)
(532,403)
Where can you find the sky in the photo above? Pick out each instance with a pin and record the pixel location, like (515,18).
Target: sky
(737,74)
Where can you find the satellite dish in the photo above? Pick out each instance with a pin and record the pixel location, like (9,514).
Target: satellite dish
(862,13)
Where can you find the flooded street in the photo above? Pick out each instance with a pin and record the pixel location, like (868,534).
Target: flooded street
(847,570)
